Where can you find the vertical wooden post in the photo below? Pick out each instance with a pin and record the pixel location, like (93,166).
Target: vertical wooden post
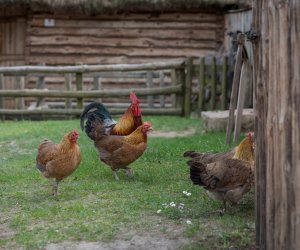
(188,86)
(224,83)
(2,117)
(277,122)
(162,84)
(241,99)
(20,84)
(97,85)
(174,82)
(201,81)
(213,83)
(150,85)
(40,84)
(180,79)
(79,86)
(68,83)
(235,86)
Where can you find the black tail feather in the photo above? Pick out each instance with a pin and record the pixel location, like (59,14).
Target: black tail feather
(98,110)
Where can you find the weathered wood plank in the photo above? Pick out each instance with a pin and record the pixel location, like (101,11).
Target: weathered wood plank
(188,87)
(201,82)
(68,83)
(119,42)
(195,17)
(132,24)
(91,68)
(79,87)
(149,86)
(100,51)
(213,84)
(119,33)
(224,84)
(235,86)
(146,111)
(162,84)
(91,94)
(2,117)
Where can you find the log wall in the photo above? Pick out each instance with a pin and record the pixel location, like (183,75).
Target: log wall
(114,39)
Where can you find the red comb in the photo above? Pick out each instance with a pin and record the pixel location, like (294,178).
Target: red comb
(133,98)
(251,135)
(148,124)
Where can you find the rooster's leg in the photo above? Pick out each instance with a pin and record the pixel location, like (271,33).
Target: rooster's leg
(116,175)
(55,187)
(129,172)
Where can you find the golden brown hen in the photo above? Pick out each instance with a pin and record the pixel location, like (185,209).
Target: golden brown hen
(118,151)
(58,161)
(130,120)
(244,151)
(225,178)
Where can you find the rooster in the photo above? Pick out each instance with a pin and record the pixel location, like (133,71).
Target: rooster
(130,120)
(226,176)
(60,160)
(117,151)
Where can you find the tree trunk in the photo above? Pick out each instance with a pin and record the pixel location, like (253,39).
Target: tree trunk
(277,119)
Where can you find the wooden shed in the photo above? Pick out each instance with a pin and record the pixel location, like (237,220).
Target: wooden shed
(65,32)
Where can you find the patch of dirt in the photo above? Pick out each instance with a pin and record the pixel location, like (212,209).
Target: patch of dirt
(5,231)
(172,134)
(138,242)
(152,238)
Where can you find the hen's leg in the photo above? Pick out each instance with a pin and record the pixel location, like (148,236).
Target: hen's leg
(116,175)
(129,172)
(55,187)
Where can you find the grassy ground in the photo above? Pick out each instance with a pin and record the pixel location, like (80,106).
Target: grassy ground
(92,206)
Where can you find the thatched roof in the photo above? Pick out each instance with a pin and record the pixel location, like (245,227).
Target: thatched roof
(121,6)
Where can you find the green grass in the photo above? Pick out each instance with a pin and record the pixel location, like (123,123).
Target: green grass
(92,206)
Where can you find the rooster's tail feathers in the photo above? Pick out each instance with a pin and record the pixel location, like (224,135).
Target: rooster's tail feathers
(99,113)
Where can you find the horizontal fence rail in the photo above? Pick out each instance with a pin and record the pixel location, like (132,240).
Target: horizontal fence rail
(91,94)
(92,68)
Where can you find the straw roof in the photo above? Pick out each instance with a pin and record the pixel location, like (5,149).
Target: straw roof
(119,6)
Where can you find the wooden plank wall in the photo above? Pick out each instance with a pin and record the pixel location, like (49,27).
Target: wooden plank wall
(12,46)
(131,38)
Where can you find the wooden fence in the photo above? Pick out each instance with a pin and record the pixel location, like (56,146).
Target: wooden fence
(187,82)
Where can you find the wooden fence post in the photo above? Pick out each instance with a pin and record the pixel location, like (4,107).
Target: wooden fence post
(68,83)
(224,83)
(174,82)
(79,86)
(97,86)
(40,84)
(235,86)
(188,87)
(2,117)
(162,84)
(20,84)
(150,85)
(201,80)
(180,79)
(213,83)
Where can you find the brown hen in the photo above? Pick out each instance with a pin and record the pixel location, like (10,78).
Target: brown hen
(227,176)
(60,160)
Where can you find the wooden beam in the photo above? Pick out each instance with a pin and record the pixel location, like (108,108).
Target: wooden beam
(79,87)
(201,82)
(213,83)
(235,86)
(92,68)
(224,83)
(114,111)
(188,87)
(150,86)
(91,94)
(2,117)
